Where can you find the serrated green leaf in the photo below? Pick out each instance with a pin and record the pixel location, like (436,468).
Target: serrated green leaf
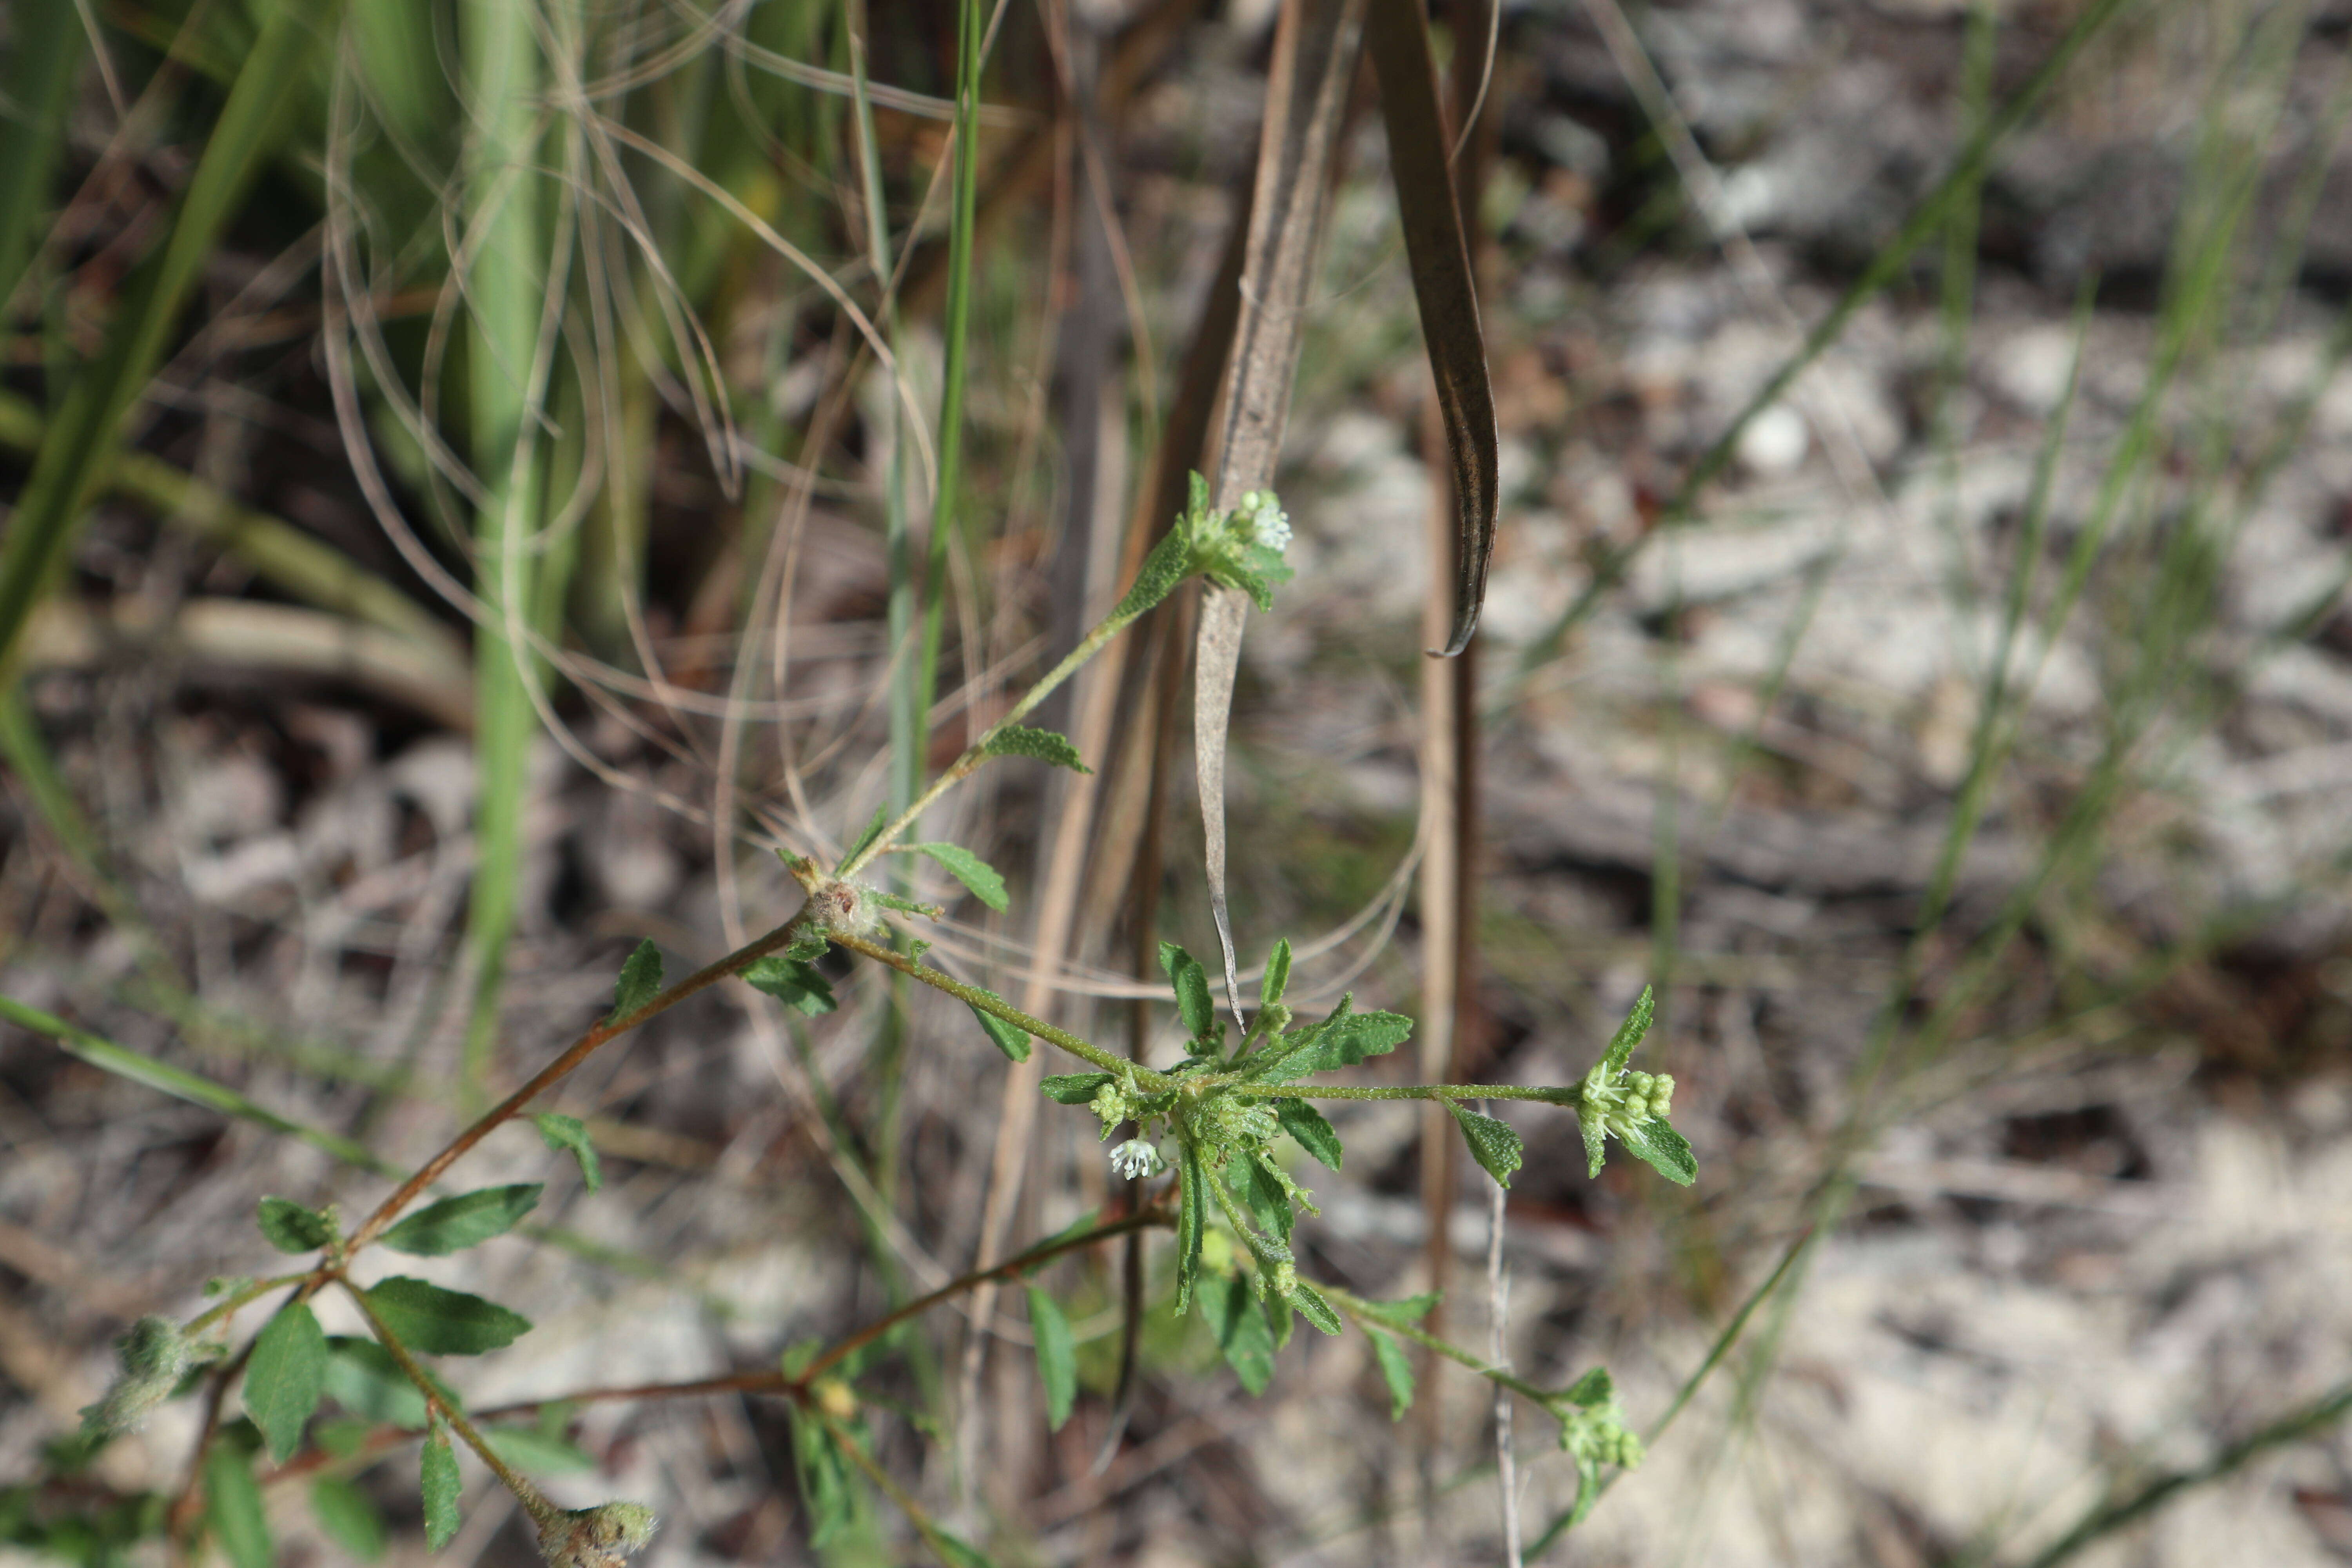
(890,900)
(1263,1192)
(1595,1387)
(1191,1206)
(527,1448)
(347,1517)
(1057,1356)
(1010,1039)
(1664,1150)
(1396,1367)
(425,1317)
(289,1228)
(564,1133)
(442,1487)
(792,982)
(1493,1145)
(1278,1317)
(640,981)
(1314,1308)
(807,947)
(361,1377)
(1629,1033)
(977,875)
(1166,567)
(232,1508)
(1230,1306)
(1313,1134)
(1045,745)
(1073,1088)
(466,1220)
(1277,974)
(1190,983)
(873,831)
(1596,1142)
(285,1376)
(1343,1040)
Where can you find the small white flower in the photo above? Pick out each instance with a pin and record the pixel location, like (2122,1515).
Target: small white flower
(1268,522)
(1135,1159)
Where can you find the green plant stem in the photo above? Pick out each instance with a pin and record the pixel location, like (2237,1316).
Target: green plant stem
(1368,1314)
(1444,1091)
(250,1294)
(933,1535)
(2109,1517)
(997,1006)
(977,752)
(577,1052)
(534,1501)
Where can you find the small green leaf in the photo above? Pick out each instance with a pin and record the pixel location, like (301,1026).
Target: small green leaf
(1241,1331)
(1664,1150)
(569,1133)
(792,982)
(1190,983)
(1596,1141)
(890,900)
(1262,1190)
(873,831)
(347,1517)
(527,1448)
(364,1380)
(1595,1387)
(640,981)
(1314,1308)
(1493,1145)
(1629,1033)
(1277,974)
(1342,1040)
(1397,1368)
(289,1228)
(1073,1088)
(1057,1356)
(1306,1124)
(285,1376)
(1010,1039)
(1170,560)
(976,874)
(442,1487)
(425,1317)
(234,1509)
(1191,1207)
(466,1220)
(1045,745)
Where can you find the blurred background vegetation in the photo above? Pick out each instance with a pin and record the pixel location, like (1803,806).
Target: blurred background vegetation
(481,473)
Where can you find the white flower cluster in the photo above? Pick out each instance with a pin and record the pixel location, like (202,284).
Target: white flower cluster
(1263,516)
(1136,1159)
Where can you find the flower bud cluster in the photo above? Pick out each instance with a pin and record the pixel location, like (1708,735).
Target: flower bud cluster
(1115,1105)
(603,1537)
(1643,1096)
(1599,1435)
(153,1356)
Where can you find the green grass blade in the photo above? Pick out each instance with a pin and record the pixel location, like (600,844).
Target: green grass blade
(48,45)
(182,1084)
(81,438)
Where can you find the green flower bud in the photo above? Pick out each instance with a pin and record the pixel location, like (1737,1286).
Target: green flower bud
(603,1537)
(152,1357)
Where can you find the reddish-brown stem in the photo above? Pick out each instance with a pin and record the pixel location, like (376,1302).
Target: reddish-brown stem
(579,1051)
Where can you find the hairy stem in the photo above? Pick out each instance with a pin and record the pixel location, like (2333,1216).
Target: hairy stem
(534,1502)
(579,1051)
(1368,1313)
(977,752)
(997,1006)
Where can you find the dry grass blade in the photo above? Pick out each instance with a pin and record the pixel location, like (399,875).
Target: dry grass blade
(1313,60)
(1398,37)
